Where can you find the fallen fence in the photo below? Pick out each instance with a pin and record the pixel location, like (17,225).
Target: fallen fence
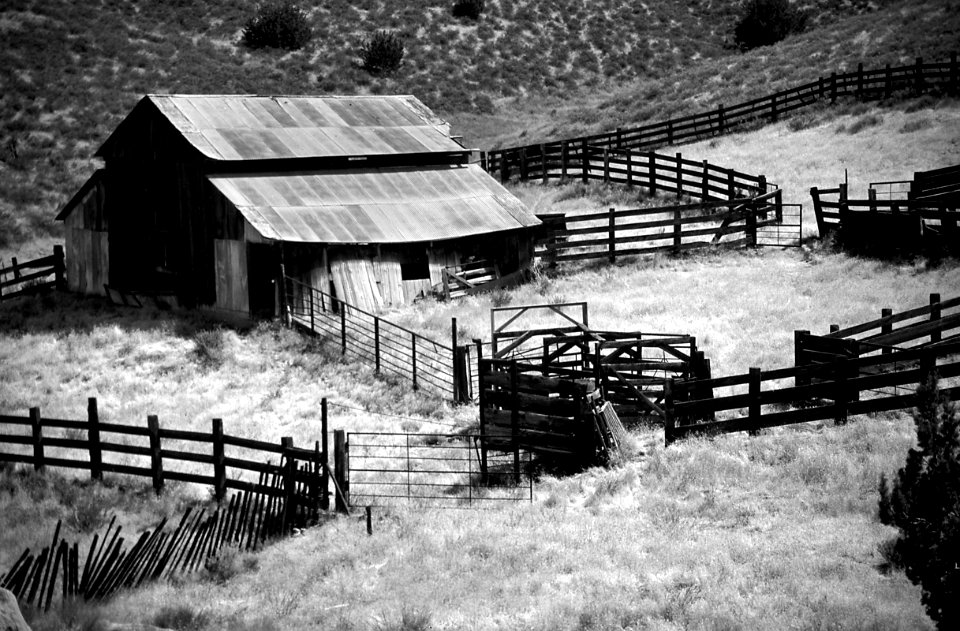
(918,78)
(474,277)
(435,367)
(20,279)
(162,454)
(434,470)
(831,390)
(748,222)
(278,504)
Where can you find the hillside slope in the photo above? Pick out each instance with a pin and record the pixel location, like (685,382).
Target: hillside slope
(71,71)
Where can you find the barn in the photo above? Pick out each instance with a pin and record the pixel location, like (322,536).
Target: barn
(204,197)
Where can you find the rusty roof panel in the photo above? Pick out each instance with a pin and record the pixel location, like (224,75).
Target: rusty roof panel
(395,205)
(235,127)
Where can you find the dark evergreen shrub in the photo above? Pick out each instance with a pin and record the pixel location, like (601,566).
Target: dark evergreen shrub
(278,25)
(924,504)
(382,54)
(766,22)
(468,9)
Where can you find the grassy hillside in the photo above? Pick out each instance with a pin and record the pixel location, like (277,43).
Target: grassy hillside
(70,71)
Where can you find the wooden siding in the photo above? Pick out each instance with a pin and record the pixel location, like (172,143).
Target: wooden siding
(355,281)
(88,260)
(231,275)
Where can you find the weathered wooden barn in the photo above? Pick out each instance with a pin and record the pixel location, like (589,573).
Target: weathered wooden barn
(204,197)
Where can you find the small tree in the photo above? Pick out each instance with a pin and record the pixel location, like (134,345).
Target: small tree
(767,22)
(468,9)
(924,504)
(382,54)
(278,25)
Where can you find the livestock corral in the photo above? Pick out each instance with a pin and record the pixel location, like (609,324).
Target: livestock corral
(593,420)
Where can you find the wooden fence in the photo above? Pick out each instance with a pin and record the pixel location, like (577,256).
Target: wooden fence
(88,444)
(520,408)
(863,84)
(746,222)
(887,225)
(20,279)
(936,322)
(431,366)
(833,390)
(474,277)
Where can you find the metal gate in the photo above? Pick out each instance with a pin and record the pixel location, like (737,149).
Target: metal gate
(441,470)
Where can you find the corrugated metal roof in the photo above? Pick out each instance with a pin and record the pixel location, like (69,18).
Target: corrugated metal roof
(391,205)
(238,127)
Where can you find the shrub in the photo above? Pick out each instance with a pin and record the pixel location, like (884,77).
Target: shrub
(382,54)
(924,504)
(278,25)
(468,9)
(180,617)
(766,22)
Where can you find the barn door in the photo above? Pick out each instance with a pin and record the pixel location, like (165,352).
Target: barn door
(263,269)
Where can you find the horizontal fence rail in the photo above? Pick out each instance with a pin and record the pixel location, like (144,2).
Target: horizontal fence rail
(19,279)
(918,326)
(429,365)
(526,161)
(812,392)
(156,452)
(440,470)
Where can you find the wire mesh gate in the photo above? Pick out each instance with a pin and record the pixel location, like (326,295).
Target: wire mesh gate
(441,470)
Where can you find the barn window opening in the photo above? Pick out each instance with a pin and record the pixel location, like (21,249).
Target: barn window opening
(415,269)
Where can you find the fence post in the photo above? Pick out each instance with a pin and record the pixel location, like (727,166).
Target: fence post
(59,268)
(860,81)
(312,326)
(928,365)
(289,483)
(619,137)
(841,392)
(454,358)
(156,457)
(887,82)
(704,189)
(751,226)
(886,326)
(669,420)
(515,419)
(543,162)
(16,268)
(376,339)
(800,358)
(612,236)
(504,173)
(584,162)
(341,473)
(669,131)
(93,439)
(413,359)
(324,459)
(483,161)
(918,77)
(36,424)
(481,403)
(629,167)
(934,316)
(343,328)
(842,210)
(773,108)
(756,379)
(677,231)
(564,157)
(720,122)
(679,175)
(219,466)
(872,197)
(833,87)
(731,185)
(778,204)
(523,164)
(818,211)
(652,163)
(606,165)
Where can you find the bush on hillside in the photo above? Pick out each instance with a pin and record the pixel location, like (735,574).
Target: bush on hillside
(924,504)
(468,9)
(766,22)
(382,54)
(278,25)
